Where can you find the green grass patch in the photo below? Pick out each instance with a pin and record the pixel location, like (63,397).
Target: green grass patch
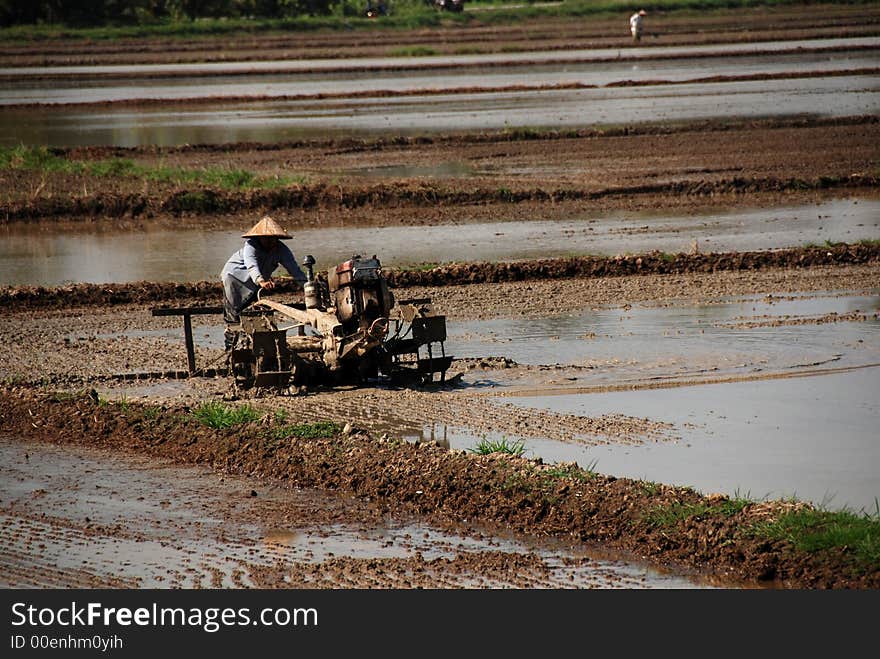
(316,430)
(572,470)
(152,413)
(818,530)
(412,51)
(43,159)
(217,415)
(487,447)
(349,15)
(677,512)
(651,488)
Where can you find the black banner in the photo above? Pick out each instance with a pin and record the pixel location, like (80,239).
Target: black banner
(135,622)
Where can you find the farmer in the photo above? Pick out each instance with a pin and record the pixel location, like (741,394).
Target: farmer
(250,269)
(635,24)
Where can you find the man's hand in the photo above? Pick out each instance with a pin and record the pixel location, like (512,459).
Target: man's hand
(267,284)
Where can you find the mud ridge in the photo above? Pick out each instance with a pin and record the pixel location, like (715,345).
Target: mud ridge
(355,145)
(386,93)
(517,494)
(208,201)
(15,298)
(415,65)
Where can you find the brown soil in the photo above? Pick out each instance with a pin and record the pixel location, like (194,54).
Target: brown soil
(458,274)
(453,487)
(75,335)
(514,176)
(550,33)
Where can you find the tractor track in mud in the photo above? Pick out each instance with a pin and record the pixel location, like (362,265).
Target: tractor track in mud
(447,487)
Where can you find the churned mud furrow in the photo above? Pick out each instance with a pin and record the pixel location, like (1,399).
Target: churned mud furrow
(536,33)
(623,168)
(447,487)
(24,563)
(213,101)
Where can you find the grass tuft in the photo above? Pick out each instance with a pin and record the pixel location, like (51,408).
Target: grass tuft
(316,430)
(217,415)
(818,530)
(669,515)
(487,447)
(572,470)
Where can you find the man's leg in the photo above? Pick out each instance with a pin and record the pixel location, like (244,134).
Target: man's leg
(236,296)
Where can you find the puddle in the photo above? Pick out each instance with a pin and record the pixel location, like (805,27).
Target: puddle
(33,255)
(814,438)
(286,120)
(769,411)
(84,518)
(744,336)
(440,170)
(72,89)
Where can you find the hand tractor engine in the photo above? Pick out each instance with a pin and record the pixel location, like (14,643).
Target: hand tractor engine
(349,329)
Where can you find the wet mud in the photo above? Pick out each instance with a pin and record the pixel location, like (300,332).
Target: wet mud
(454,275)
(451,487)
(106,519)
(508,175)
(538,33)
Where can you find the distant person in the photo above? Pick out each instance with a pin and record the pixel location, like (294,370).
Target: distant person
(250,270)
(635,24)
(379,9)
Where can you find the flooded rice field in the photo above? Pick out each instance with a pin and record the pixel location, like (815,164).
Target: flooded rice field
(768,396)
(280,120)
(24,90)
(596,55)
(90,518)
(750,391)
(323,98)
(813,438)
(39,254)
(756,380)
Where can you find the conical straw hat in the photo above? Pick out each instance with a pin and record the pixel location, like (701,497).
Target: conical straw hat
(266,227)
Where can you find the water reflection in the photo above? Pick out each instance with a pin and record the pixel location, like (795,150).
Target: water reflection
(272,121)
(814,438)
(22,90)
(41,255)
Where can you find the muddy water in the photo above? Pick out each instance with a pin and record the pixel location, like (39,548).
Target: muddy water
(40,255)
(269,121)
(770,410)
(741,337)
(762,395)
(73,90)
(73,517)
(814,438)
(397,63)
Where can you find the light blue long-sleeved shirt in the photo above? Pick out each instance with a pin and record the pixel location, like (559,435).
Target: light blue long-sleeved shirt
(253,262)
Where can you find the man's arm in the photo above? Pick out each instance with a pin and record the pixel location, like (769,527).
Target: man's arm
(290,264)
